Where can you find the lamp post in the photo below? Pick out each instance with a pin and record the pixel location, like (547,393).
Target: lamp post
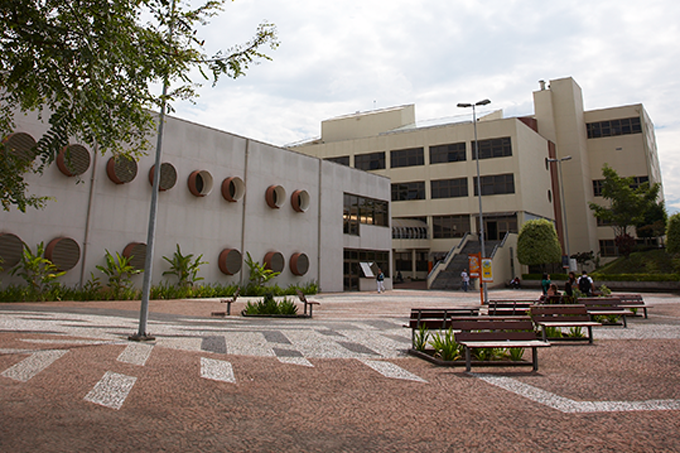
(564,205)
(479,188)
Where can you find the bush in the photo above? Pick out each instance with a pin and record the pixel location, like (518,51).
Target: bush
(673,234)
(537,243)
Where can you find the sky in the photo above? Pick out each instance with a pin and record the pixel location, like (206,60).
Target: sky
(345,56)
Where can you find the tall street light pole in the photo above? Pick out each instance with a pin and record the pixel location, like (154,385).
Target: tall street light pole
(564,206)
(479,187)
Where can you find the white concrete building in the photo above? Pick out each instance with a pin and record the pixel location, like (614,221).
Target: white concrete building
(222,196)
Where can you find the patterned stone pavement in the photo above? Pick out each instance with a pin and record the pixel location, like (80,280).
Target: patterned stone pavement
(70,381)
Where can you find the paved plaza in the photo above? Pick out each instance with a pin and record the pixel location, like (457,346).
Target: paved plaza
(342,381)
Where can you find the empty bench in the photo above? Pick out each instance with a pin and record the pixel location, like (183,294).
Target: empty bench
(436,318)
(228,302)
(559,316)
(306,303)
(606,306)
(632,302)
(488,332)
(509,307)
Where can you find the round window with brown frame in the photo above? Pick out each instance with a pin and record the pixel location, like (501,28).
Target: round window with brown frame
(299,264)
(233,189)
(11,250)
(200,183)
(275,196)
(73,160)
(168,176)
(121,169)
(21,145)
(137,252)
(230,261)
(300,200)
(274,261)
(63,253)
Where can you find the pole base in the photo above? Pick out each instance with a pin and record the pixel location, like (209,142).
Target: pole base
(140,337)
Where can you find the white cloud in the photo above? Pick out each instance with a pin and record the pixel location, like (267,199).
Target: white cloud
(339,57)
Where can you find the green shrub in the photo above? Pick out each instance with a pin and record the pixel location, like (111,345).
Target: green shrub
(516,354)
(420,338)
(445,346)
(269,306)
(184,268)
(38,272)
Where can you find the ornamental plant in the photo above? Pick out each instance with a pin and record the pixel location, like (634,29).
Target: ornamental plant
(184,268)
(119,272)
(37,271)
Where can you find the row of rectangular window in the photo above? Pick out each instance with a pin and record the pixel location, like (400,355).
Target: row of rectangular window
(453,188)
(611,128)
(599,183)
(455,226)
(454,152)
(369,211)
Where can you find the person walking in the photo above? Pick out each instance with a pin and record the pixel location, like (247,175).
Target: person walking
(381,281)
(466,280)
(585,284)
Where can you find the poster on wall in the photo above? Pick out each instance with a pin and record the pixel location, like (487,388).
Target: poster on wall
(473,265)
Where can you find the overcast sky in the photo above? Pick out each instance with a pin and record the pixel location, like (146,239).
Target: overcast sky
(355,55)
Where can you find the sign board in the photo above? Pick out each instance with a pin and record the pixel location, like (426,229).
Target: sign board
(487,273)
(366,268)
(474,264)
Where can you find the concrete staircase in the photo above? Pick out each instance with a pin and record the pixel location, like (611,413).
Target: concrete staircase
(449,278)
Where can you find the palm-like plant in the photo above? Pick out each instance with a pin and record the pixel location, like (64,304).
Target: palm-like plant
(119,272)
(184,268)
(39,272)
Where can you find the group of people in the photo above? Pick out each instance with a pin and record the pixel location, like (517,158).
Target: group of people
(584,284)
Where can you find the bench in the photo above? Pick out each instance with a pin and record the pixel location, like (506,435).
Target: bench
(509,307)
(436,318)
(562,316)
(306,303)
(488,332)
(228,302)
(632,302)
(606,306)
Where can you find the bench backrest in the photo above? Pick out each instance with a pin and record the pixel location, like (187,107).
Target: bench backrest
(436,318)
(541,313)
(600,302)
(509,307)
(630,299)
(498,329)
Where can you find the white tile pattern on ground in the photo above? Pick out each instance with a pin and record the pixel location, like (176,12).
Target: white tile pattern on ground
(136,353)
(570,406)
(112,390)
(32,365)
(217,370)
(390,370)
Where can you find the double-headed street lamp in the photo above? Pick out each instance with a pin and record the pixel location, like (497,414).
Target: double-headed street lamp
(564,205)
(479,187)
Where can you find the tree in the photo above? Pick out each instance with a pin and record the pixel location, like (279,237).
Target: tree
(653,223)
(627,206)
(537,243)
(673,234)
(88,69)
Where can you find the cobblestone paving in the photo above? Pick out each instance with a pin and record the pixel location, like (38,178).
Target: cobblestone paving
(339,382)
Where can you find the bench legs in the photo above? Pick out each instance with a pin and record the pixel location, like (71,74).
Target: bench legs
(534,358)
(590,335)
(468,359)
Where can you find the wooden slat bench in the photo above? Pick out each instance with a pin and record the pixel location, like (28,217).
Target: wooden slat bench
(606,306)
(632,301)
(228,302)
(488,332)
(509,307)
(306,302)
(436,318)
(562,316)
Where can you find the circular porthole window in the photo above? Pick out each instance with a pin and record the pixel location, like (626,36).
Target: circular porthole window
(200,183)
(299,264)
(121,169)
(63,253)
(233,189)
(168,176)
(300,200)
(274,261)
(73,160)
(230,261)
(21,145)
(275,196)
(11,249)
(137,252)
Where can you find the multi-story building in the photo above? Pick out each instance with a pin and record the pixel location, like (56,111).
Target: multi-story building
(435,208)
(222,196)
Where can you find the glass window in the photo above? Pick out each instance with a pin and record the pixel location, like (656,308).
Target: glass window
(364,210)
(450,226)
(597,187)
(343,160)
(611,128)
(449,188)
(372,161)
(495,147)
(408,191)
(608,248)
(407,157)
(454,152)
(496,184)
